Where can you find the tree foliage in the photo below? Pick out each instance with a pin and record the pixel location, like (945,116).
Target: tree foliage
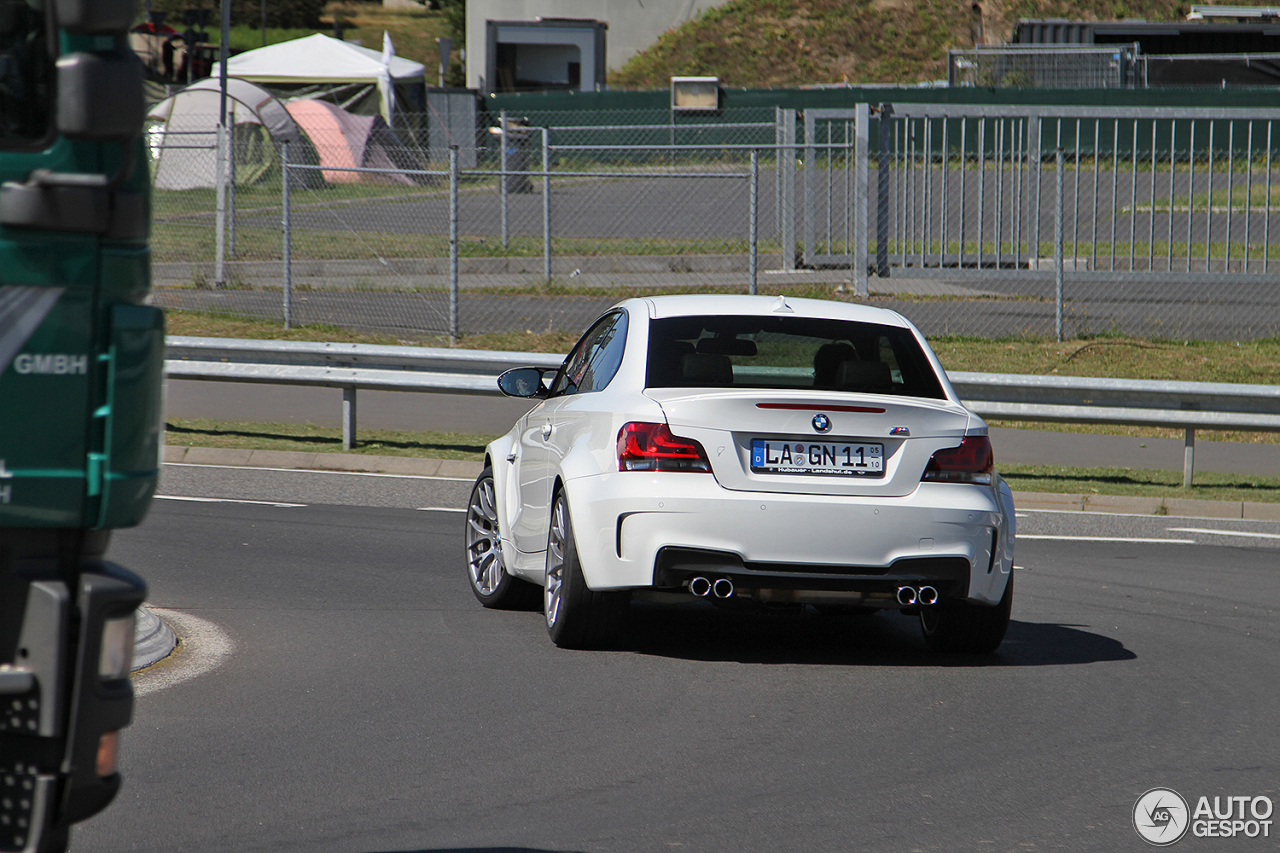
(279,13)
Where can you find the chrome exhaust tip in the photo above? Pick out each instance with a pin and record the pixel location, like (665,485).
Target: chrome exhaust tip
(700,586)
(723,588)
(927,595)
(906,595)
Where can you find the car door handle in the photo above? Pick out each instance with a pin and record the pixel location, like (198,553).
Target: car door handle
(546,431)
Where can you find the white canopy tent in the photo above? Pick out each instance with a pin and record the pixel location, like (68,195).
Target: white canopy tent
(300,66)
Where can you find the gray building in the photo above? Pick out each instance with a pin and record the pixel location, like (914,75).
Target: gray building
(563,44)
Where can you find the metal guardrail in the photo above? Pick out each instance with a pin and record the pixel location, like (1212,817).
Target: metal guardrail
(1061,399)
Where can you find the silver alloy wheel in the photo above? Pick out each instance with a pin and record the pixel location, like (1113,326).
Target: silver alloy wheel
(553,592)
(484,548)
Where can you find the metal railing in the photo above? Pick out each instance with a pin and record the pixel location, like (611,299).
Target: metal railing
(1062,399)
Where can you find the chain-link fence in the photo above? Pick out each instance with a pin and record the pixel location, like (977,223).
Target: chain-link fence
(947,213)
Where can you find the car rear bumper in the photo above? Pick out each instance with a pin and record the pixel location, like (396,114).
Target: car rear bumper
(637,530)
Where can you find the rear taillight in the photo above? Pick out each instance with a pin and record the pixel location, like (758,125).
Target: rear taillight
(971,462)
(652,447)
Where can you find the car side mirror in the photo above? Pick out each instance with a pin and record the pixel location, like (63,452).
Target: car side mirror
(524,382)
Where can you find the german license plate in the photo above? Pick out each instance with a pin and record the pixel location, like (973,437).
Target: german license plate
(837,458)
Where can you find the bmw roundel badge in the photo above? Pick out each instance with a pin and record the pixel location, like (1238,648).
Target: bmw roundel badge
(821,423)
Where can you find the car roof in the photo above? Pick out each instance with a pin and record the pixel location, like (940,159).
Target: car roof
(714,304)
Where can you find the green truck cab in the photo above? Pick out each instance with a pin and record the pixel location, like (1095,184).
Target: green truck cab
(81,361)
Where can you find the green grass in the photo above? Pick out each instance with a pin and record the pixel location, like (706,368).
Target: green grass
(803,42)
(1140,482)
(314,439)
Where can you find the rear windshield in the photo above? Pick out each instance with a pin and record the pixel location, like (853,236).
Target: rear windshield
(788,352)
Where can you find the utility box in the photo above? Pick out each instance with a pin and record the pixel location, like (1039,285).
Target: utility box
(451,120)
(695,94)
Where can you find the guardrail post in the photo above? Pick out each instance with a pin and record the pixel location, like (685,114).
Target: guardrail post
(1057,252)
(755,217)
(288,266)
(1188,457)
(453,245)
(348,418)
(546,205)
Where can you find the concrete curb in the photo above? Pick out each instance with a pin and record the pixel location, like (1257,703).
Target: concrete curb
(1123,505)
(464,470)
(153,640)
(408,466)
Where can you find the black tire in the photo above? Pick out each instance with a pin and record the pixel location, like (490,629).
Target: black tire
(962,627)
(491,584)
(577,617)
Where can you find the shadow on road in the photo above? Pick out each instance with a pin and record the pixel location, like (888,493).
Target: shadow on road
(696,632)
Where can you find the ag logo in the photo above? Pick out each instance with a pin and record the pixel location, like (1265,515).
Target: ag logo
(1161,817)
(821,423)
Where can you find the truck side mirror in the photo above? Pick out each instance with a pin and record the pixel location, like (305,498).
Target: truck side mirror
(100,96)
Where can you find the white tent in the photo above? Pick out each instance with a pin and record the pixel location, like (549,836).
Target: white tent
(320,59)
(184,142)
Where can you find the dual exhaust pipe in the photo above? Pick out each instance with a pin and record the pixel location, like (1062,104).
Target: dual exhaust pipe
(703,587)
(908,595)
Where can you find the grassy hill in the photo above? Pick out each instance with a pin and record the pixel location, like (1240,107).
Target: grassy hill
(802,42)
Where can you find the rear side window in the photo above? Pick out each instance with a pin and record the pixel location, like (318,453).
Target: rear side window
(788,353)
(596,358)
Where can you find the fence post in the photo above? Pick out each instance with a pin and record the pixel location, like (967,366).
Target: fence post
(288,266)
(861,204)
(785,136)
(882,194)
(546,205)
(755,217)
(1057,251)
(453,244)
(231,185)
(1034,165)
(220,226)
(348,417)
(502,182)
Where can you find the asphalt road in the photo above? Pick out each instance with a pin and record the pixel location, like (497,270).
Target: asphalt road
(363,701)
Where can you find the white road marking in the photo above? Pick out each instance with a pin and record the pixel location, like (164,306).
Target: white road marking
(316,471)
(222,501)
(1135,539)
(203,648)
(441,509)
(1223,532)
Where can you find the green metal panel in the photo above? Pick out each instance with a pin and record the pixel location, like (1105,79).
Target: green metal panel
(131,464)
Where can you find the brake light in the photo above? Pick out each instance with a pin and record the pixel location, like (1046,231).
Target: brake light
(652,447)
(971,462)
